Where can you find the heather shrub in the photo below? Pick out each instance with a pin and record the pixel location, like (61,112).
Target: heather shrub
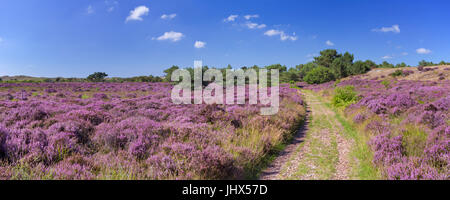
(134,132)
(344,96)
(412,169)
(3,135)
(359,118)
(387,149)
(407,123)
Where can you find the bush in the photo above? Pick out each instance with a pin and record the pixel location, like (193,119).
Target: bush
(397,73)
(319,75)
(97,77)
(344,96)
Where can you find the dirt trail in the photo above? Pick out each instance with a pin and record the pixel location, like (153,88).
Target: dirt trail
(274,169)
(319,150)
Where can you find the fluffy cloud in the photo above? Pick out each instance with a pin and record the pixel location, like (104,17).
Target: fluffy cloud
(329,43)
(251,25)
(283,36)
(423,51)
(172,36)
(273,32)
(137,13)
(248,17)
(231,18)
(386,57)
(199,44)
(168,17)
(394,28)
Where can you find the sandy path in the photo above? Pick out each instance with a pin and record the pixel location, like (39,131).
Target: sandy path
(318,151)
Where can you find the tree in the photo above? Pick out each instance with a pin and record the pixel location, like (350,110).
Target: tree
(341,65)
(319,75)
(281,68)
(371,64)
(424,63)
(359,67)
(169,72)
(385,64)
(339,68)
(326,57)
(305,68)
(292,75)
(399,65)
(97,77)
(444,63)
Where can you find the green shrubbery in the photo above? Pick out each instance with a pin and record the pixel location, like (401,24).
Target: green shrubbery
(344,96)
(97,77)
(397,73)
(319,75)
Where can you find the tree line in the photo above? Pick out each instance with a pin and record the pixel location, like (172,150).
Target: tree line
(328,66)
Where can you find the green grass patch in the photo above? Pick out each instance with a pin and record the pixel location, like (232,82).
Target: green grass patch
(414,140)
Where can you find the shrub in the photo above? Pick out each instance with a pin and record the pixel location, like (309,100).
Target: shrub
(344,96)
(319,75)
(397,73)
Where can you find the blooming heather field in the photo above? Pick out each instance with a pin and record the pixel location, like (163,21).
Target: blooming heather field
(407,123)
(133,131)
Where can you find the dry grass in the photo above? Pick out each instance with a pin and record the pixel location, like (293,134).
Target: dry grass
(379,73)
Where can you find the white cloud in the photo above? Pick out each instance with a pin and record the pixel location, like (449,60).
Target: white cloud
(137,13)
(283,36)
(90,10)
(168,17)
(272,32)
(251,25)
(404,53)
(231,18)
(423,51)
(394,28)
(248,17)
(173,36)
(329,43)
(199,44)
(387,57)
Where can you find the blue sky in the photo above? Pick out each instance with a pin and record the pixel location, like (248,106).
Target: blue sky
(140,37)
